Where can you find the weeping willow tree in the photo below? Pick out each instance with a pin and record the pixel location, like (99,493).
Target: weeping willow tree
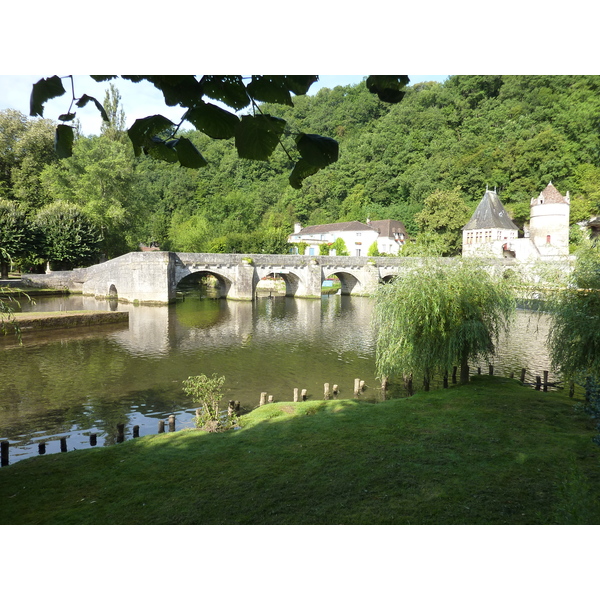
(574,338)
(438,316)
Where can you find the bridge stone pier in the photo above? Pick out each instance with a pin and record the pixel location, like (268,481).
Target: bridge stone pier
(153,277)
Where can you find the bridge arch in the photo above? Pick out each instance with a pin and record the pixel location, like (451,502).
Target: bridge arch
(292,281)
(351,283)
(223,283)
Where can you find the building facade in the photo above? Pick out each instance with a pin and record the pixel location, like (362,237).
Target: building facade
(491,232)
(358,237)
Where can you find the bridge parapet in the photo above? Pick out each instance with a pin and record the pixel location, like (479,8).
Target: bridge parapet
(152,277)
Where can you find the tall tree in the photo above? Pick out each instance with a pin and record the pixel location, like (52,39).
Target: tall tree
(438,316)
(115,128)
(444,214)
(70,238)
(26,147)
(16,236)
(574,338)
(100,179)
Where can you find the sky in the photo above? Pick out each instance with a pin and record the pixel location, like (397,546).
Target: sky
(138,99)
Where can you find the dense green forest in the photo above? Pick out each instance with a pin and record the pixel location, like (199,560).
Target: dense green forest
(425,161)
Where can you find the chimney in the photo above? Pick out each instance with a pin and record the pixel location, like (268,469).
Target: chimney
(297,227)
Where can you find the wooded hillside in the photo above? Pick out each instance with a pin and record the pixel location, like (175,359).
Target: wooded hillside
(425,161)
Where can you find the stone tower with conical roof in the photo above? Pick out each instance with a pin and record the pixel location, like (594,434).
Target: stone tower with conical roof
(490,229)
(549,222)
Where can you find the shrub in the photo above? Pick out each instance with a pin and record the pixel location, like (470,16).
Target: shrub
(207,392)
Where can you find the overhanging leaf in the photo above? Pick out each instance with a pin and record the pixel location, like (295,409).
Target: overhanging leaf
(184,90)
(389,88)
(63,141)
(188,154)
(85,99)
(66,117)
(158,148)
(101,78)
(300,84)
(270,88)
(212,120)
(143,130)
(257,136)
(317,150)
(301,171)
(229,89)
(42,91)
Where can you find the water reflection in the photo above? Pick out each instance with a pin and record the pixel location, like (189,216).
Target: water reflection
(76,382)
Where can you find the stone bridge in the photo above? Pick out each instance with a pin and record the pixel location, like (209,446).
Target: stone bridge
(153,277)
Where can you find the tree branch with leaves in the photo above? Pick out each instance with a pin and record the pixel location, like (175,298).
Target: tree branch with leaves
(256,135)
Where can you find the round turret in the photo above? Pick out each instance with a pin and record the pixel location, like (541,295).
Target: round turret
(549,222)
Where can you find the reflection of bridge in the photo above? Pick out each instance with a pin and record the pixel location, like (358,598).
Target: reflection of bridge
(153,277)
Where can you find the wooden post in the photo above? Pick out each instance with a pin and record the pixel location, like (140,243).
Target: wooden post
(263,398)
(270,399)
(238,410)
(445,381)
(336,390)
(362,385)
(326,394)
(478,370)
(63,444)
(136,431)
(538,382)
(409,385)
(120,433)
(161,426)
(92,439)
(356,388)
(523,371)
(295,394)
(42,448)
(545,388)
(571,389)
(454,369)
(230,409)
(384,386)
(512,374)
(491,369)
(4,446)
(303,395)
(171,423)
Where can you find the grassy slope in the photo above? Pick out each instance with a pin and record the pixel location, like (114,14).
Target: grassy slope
(490,452)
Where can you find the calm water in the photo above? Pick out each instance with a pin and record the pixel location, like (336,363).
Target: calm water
(73,383)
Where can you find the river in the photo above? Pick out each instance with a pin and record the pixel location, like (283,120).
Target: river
(72,383)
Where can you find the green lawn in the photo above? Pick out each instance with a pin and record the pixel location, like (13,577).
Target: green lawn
(491,452)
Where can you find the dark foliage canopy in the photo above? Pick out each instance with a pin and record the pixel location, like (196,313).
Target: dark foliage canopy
(256,135)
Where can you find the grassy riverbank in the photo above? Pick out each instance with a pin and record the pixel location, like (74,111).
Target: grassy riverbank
(491,452)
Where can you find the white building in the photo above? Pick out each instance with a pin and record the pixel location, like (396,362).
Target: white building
(491,232)
(490,229)
(358,237)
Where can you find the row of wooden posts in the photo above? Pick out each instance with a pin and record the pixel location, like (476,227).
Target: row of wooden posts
(329,392)
(541,383)
(233,408)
